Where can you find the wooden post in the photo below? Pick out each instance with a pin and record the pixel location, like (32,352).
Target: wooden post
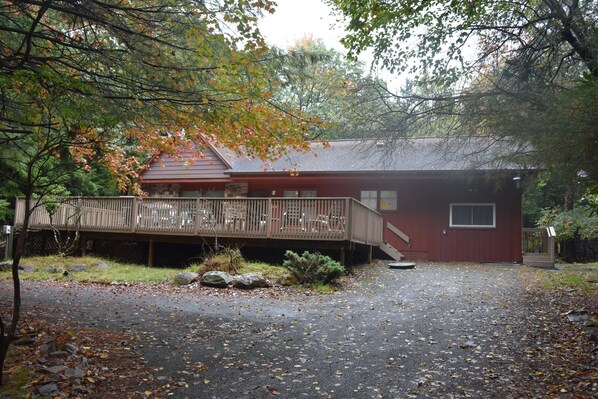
(342,260)
(370,254)
(197,217)
(134,214)
(348,233)
(269,218)
(150,255)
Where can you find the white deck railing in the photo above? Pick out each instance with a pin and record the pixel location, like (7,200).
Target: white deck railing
(538,246)
(335,219)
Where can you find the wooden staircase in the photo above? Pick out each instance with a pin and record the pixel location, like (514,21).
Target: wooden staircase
(391,251)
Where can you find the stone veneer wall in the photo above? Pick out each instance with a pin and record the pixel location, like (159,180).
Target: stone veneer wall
(163,190)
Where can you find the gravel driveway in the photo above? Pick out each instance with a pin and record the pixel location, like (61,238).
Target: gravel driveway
(442,331)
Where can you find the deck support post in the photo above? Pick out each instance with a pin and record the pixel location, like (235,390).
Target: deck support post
(134,214)
(370,254)
(269,219)
(343,256)
(150,255)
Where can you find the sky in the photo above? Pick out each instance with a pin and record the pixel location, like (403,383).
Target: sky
(294,19)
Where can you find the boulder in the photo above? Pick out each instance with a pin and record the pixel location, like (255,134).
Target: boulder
(27,268)
(250,280)
(71,348)
(185,278)
(53,269)
(50,389)
(101,265)
(75,372)
(78,268)
(216,279)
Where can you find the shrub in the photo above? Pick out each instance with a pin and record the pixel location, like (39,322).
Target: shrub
(227,260)
(313,268)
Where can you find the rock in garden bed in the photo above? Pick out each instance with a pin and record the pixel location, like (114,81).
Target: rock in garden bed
(185,278)
(216,279)
(250,280)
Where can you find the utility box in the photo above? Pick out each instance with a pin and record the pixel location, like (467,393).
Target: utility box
(6,229)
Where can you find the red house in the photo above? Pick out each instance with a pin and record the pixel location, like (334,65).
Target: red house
(436,202)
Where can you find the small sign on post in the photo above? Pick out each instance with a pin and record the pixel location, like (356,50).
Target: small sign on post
(7,232)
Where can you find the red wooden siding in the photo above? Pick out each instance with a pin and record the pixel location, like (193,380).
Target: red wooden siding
(169,168)
(423,206)
(498,244)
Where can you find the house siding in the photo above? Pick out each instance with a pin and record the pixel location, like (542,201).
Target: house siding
(423,207)
(185,167)
(163,190)
(423,203)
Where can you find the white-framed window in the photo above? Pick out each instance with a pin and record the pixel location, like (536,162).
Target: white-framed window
(369,198)
(388,200)
(473,215)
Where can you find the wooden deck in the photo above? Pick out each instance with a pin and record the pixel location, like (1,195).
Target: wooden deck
(323,219)
(538,247)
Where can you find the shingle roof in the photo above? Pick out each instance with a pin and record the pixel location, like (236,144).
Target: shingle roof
(343,156)
(421,154)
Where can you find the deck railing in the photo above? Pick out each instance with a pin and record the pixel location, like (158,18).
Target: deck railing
(278,218)
(538,246)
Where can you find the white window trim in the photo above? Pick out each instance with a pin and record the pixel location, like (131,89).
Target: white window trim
(482,226)
(395,198)
(376,198)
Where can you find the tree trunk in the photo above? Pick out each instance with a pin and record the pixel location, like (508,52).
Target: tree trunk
(570,196)
(8,334)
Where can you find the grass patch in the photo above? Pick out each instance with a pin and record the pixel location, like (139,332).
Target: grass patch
(583,277)
(321,288)
(220,263)
(16,379)
(271,272)
(116,272)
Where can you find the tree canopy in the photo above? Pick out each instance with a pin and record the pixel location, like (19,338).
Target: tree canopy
(105,79)
(526,72)
(98,85)
(322,83)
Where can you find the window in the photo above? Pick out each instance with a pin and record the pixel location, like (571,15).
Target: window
(308,193)
(297,193)
(388,200)
(473,215)
(369,199)
(290,194)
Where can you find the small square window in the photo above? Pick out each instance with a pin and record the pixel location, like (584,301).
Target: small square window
(369,198)
(388,200)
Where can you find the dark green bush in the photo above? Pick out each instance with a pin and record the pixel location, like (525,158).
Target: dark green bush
(311,268)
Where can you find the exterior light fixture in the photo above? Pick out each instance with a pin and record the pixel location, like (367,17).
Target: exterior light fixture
(517,182)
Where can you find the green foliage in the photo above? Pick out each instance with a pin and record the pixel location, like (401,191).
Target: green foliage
(117,272)
(580,222)
(323,84)
(542,191)
(582,277)
(116,90)
(228,260)
(270,272)
(5,210)
(525,73)
(312,268)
